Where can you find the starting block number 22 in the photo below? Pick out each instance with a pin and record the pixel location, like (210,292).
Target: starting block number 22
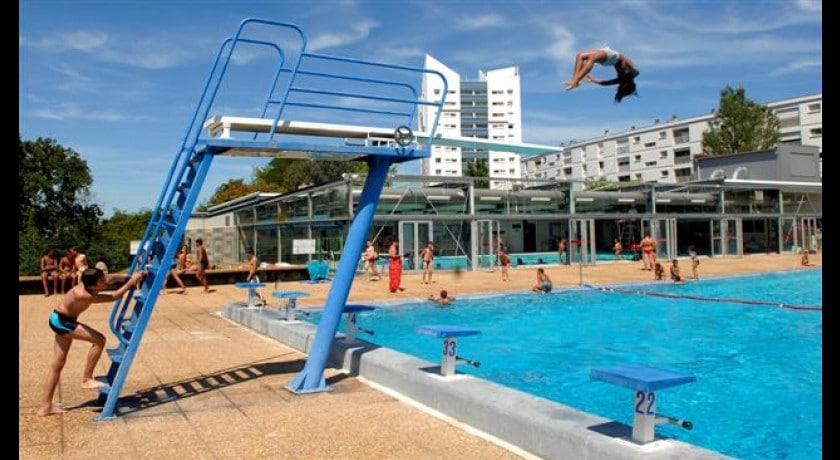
(641,407)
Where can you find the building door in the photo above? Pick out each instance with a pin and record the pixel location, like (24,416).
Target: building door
(414,235)
(787,235)
(485,244)
(806,231)
(727,237)
(581,245)
(664,233)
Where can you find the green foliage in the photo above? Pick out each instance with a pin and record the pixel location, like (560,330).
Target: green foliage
(299,173)
(230,190)
(478,168)
(600,183)
(119,230)
(55,208)
(54,191)
(740,125)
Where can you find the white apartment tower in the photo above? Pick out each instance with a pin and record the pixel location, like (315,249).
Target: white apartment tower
(487,108)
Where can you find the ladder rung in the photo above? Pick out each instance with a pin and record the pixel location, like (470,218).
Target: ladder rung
(116,354)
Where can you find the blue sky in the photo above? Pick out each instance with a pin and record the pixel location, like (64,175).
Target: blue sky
(117,81)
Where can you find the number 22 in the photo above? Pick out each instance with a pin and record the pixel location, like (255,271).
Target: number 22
(640,399)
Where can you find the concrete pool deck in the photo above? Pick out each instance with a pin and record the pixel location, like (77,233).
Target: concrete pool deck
(204,387)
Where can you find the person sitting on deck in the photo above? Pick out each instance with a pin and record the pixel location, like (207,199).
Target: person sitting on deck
(543,284)
(658,272)
(675,272)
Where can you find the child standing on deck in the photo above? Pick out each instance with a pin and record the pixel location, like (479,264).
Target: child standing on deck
(504,261)
(695,262)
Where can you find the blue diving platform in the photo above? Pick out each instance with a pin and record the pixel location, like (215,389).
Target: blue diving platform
(281,100)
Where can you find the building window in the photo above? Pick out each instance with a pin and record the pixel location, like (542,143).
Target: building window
(650,164)
(663,134)
(650,144)
(815,107)
(637,158)
(663,173)
(437,91)
(816,132)
(681,136)
(663,154)
(637,139)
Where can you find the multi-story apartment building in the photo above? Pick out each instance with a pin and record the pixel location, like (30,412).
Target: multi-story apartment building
(487,108)
(664,151)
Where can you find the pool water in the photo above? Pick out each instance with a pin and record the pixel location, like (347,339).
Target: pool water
(758,393)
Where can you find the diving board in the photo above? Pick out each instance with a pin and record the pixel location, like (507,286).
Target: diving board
(224,127)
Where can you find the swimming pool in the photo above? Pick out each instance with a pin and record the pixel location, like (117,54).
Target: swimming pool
(758,392)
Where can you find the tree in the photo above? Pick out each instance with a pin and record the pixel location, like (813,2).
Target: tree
(230,190)
(115,236)
(600,183)
(55,208)
(740,125)
(478,168)
(293,174)
(54,191)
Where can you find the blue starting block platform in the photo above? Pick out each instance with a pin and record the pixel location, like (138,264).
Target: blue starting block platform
(645,381)
(352,310)
(291,302)
(450,335)
(253,299)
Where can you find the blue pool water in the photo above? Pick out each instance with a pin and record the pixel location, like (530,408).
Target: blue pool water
(758,393)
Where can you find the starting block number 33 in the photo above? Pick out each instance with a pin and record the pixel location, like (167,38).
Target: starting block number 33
(449,347)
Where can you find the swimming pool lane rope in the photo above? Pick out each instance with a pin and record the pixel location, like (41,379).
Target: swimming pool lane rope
(705,299)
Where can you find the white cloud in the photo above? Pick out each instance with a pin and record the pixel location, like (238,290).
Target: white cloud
(79,41)
(74,112)
(801,65)
(484,21)
(814,6)
(360,31)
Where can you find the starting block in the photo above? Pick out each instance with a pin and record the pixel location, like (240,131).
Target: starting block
(352,327)
(291,303)
(645,380)
(450,335)
(253,299)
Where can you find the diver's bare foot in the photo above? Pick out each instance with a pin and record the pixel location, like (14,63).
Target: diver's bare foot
(93,384)
(570,85)
(52,410)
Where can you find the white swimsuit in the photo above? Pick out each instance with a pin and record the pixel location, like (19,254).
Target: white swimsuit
(612,57)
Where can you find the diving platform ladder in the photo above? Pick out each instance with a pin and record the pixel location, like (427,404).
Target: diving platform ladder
(308,90)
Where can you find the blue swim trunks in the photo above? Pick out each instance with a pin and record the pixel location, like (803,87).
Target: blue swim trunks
(546,286)
(62,324)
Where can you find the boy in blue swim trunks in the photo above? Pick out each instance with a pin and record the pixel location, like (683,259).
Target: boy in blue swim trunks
(64,322)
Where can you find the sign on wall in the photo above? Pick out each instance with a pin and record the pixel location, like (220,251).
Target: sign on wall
(303,246)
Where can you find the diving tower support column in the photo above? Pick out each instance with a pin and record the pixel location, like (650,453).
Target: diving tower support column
(311,378)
